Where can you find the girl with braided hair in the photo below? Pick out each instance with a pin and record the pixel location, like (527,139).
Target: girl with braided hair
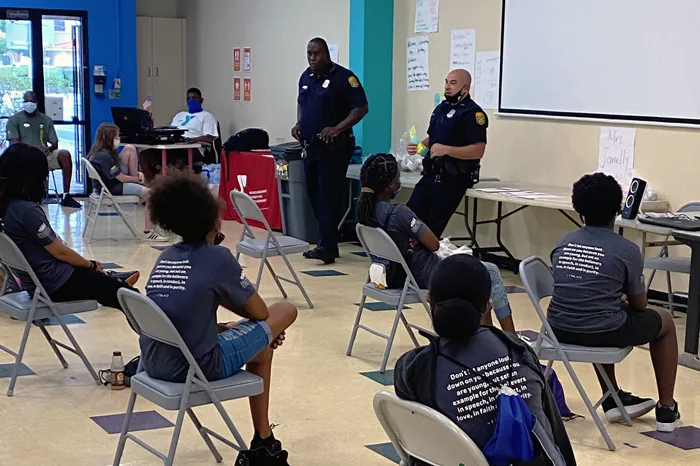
(380,179)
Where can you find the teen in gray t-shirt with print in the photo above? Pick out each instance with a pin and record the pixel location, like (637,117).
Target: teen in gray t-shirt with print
(600,298)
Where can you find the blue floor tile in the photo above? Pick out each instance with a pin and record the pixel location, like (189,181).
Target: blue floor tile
(386,379)
(160,248)
(323,273)
(108,214)
(68,320)
(144,420)
(380,306)
(685,438)
(6,370)
(530,336)
(110,266)
(386,450)
(360,254)
(514,289)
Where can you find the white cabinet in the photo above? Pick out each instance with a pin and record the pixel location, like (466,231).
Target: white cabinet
(161,65)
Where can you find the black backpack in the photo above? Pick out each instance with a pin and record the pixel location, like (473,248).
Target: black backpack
(248,140)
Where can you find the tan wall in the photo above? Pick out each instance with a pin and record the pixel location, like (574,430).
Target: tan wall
(553,152)
(277,31)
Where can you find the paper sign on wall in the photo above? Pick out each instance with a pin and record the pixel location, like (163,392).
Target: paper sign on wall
(417,63)
(334,49)
(236,88)
(246,59)
(616,153)
(237,59)
(486,79)
(463,49)
(247,89)
(427,16)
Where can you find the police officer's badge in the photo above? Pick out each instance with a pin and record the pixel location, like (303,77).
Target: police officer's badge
(353,81)
(480,118)
(451,113)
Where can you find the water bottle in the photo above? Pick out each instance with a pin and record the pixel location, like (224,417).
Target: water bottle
(117,371)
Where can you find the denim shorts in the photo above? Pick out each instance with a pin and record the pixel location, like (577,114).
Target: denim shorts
(240,344)
(131,189)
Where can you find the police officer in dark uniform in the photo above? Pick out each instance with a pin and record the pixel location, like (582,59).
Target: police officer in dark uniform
(457,140)
(331,101)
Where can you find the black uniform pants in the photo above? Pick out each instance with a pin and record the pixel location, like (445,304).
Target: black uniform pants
(434,202)
(326,184)
(90,284)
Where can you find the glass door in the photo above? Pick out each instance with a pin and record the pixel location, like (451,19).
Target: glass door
(64,84)
(44,51)
(15,68)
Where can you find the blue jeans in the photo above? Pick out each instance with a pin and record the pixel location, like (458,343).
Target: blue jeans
(499,296)
(240,344)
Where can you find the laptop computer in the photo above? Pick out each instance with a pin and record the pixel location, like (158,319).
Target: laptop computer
(674,223)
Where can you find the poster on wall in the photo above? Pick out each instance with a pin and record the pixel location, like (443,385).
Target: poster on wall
(486,78)
(246,89)
(334,50)
(237,59)
(616,153)
(417,63)
(463,49)
(236,88)
(246,59)
(427,16)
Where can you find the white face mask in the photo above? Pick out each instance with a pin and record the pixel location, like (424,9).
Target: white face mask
(117,142)
(29,107)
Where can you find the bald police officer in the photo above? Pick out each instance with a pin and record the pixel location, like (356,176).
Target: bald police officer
(456,141)
(331,101)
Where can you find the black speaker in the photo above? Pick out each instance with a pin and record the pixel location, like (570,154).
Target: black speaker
(634,199)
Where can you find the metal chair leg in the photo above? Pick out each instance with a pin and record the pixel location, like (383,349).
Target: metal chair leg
(52,343)
(612,392)
(392,335)
(297,280)
(356,327)
(125,429)
(180,419)
(18,358)
(670,294)
(205,436)
(277,281)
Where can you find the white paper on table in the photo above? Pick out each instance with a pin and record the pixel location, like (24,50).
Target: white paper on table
(418,78)
(486,79)
(427,16)
(463,50)
(494,190)
(334,50)
(616,152)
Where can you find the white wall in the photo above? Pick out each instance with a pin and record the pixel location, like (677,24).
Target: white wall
(278,32)
(159,8)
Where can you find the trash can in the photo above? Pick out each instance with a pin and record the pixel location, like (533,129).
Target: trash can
(298,218)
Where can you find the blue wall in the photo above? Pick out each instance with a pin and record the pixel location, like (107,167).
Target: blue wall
(111,41)
(372,58)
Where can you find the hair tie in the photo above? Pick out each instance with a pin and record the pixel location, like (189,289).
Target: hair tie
(367,190)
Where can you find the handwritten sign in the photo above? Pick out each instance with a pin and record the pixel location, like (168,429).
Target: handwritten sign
(463,50)
(486,78)
(417,63)
(427,16)
(616,152)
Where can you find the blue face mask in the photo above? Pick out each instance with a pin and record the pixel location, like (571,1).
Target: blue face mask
(194,106)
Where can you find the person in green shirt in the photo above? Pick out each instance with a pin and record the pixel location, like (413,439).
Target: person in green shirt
(32,127)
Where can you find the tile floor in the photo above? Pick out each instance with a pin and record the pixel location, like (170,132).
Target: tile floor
(321,399)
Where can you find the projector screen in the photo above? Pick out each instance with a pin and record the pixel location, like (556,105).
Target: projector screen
(607,59)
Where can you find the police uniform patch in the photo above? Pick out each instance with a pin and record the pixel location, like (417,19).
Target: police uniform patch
(353,81)
(480,118)
(451,113)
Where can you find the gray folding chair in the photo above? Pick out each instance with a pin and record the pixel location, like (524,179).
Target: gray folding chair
(270,246)
(539,283)
(377,243)
(150,321)
(107,199)
(32,309)
(665,263)
(417,431)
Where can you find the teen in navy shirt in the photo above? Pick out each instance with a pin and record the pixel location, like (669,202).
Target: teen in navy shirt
(189,282)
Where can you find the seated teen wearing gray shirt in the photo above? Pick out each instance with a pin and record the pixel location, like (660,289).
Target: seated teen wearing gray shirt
(189,282)
(62,272)
(380,182)
(459,374)
(600,298)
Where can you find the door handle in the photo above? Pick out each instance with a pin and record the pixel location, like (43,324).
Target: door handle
(157,72)
(149,71)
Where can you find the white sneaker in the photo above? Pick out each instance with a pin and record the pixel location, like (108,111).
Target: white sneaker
(154,237)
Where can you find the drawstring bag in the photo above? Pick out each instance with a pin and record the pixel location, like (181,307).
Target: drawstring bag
(558,393)
(511,442)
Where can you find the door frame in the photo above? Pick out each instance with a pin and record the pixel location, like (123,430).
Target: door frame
(35,16)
